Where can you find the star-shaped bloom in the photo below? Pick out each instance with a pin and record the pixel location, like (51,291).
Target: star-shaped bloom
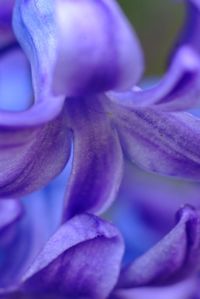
(86,61)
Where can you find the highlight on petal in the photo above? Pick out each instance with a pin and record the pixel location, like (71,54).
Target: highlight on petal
(32,22)
(26,146)
(45,107)
(15,81)
(97,158)
(31,157)
(167,143)
(95,39)
(175,258)
(64,267)
(177,90)
(190,32)
(30,32)
(10,212)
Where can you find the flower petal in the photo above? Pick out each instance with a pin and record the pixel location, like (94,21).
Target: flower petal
(26,149)
(46,107)
(95,38)
(97,158)
(64,267)
(167,143)
(31,157)
(32,21)
(15,81)
(31,234)
(179,89)
(191,28)
(185,290)
(10,213)
(173,259)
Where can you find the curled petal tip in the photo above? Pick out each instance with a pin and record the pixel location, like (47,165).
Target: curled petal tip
(186,212)
(189,58)
(95,39)
(66,260)
(174,259)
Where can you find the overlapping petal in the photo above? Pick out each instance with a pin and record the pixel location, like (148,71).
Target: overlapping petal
(32,21)
(64,267)
(31,157)
(174,258)
(28,234)
(95,38)
(97,158)
(30,27)
(190,31)
(167,143)
(15,80)
(179,88)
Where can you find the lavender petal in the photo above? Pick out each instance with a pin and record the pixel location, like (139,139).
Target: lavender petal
(179,88)
(167,143)
(175,258)
(64,267)
(97,158)
(25,154)
(96,39)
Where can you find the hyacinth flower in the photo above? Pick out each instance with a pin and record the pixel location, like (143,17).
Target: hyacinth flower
(40,258)
(84,58)
(64,258)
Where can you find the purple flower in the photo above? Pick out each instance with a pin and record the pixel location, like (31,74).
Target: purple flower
(29,270)
(86,60)
(83,257)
